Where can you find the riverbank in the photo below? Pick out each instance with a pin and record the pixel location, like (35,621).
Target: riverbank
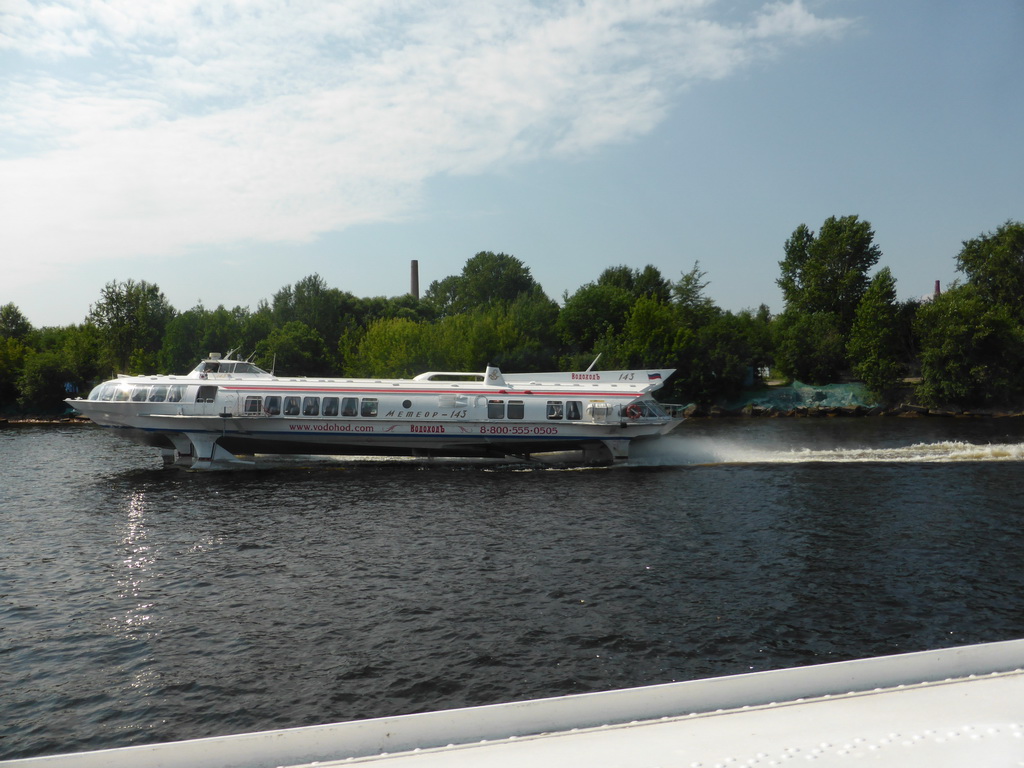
(902,411)
(842,400)
(37,420)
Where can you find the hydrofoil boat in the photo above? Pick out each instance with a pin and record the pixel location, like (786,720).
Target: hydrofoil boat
(226,408)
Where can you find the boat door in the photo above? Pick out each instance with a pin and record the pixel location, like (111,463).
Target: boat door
(206,400)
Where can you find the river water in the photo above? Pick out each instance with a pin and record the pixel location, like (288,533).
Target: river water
(139,604)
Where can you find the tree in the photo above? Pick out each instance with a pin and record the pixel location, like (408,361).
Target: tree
(42,382)
(62,362)
(756,328)
(694,308)
(637,282)
(80,348)
(647,338)
(649,282)
(602,307)
(314,303)
(828,272)
(294,349)
(497,335)
(485,279)
(13,324)
(182,346)
(809,347)
(994,265)
(394,347)
(591,312)
(132,318)
(874,345)
(972,351)
(724,357)
(678,326)
(12,362)
(193,334)
(529,341)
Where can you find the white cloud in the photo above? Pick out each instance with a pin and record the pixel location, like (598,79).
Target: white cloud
(140,129)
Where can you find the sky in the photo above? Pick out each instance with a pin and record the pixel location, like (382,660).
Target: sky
(224,149)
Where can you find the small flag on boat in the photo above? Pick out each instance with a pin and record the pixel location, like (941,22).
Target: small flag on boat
(655,375)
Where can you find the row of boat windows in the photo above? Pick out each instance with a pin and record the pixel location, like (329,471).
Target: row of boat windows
(556,410)
(348,407)
(293,405)
(139,394)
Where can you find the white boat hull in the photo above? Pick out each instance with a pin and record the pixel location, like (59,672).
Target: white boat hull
(245,436)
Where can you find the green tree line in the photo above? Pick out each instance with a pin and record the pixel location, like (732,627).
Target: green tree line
(841,321)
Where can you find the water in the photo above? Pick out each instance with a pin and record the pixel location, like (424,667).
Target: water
(140,605)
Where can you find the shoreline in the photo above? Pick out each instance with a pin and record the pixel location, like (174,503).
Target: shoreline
(37,420)
(902,411)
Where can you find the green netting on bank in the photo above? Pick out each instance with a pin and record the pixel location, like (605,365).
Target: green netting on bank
(799,395)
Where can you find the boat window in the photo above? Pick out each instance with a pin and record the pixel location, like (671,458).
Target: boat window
(107,392)
(272,405)
(495,409)
(369,406)
(121,393)
(349,406)
(139,394)
(158,394)
(573,409)
(516,409)
(554,409)
(311,406)
(291,406)
(655,410)
(253,405)
(206,394)
(175,393)
(330,406)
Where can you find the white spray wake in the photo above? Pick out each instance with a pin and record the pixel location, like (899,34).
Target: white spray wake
(690,451)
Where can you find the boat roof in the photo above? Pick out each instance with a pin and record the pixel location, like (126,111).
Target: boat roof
(217,369)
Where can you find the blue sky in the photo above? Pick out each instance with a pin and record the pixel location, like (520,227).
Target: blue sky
(225,149)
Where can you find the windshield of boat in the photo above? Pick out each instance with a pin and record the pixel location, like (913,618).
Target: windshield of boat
(229,367)
(652,409)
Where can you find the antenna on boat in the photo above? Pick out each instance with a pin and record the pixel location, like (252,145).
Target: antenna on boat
(273,365)
(591,366)
(230,353)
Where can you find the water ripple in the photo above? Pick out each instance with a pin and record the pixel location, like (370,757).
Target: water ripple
(140,605)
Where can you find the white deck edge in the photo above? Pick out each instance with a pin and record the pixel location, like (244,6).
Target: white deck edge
(365,738)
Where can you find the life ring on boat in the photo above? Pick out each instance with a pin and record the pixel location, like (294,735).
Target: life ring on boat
(634,411)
